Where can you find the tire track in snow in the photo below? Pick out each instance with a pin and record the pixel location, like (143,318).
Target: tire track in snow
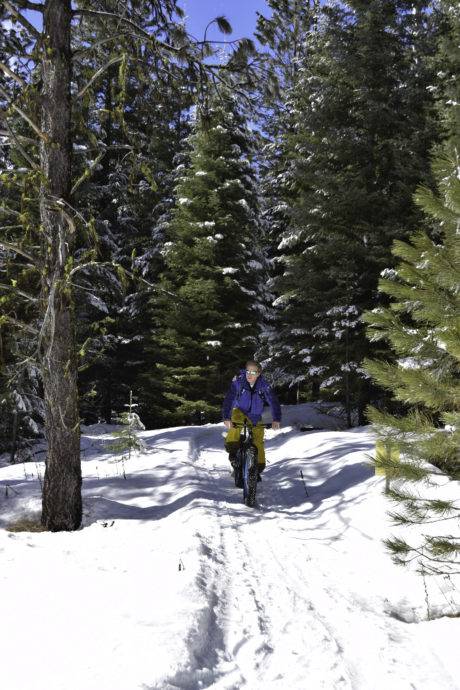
(249,633)
(205,640)
(326,662)
(335,612)
(215,660)
(258,613)
(243,619)
(374,649)
(344,673)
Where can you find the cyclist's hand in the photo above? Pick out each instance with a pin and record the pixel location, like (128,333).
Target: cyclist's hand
(276,425)
(228,423)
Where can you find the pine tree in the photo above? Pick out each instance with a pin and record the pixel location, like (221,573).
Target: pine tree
(127,440)
(127,197)
(22,413)
(128,194)
(359,148)
(422,325)
(287,33)
(445,87)
(210,323)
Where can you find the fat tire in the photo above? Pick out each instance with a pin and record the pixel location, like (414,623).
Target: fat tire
(250,494)
(238,470)
(252,489)
(239,482)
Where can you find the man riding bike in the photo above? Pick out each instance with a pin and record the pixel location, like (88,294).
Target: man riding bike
(245,400)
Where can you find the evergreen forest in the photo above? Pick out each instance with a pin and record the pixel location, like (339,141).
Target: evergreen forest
(172,206)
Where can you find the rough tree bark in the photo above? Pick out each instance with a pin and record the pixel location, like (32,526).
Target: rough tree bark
(62,505)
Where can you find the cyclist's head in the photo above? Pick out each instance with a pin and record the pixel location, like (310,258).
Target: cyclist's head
(253,370)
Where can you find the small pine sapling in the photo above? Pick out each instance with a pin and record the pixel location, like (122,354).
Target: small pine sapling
(127,440)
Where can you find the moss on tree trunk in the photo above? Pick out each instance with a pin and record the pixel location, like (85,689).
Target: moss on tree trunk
(62,505)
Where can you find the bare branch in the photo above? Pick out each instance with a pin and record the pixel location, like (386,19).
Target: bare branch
(61,204)
(87,172)
(125,20)
(10,211)
(35,127)
(18,250)
(93,46)
(114,264)
(70,221)
(89,264)
(18,292)
(23,152)
(22,20)
(27,5)
(150,285)
(82,287)
(21,324)
(227,43)
(8,133)
(12,74)
(97,74)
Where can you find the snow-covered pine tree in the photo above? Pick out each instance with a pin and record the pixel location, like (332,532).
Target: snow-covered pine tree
(137,123)
(138,120)
(422,326)
(287,33)
(209,316)
(21,407)
(445,86)
(359,148)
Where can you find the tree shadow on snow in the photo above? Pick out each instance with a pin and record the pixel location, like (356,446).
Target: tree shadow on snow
(187,482)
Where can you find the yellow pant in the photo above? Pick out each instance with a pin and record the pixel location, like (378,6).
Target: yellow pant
(232,439)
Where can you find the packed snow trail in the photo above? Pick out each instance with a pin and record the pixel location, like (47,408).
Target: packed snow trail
(284,619)
(174,584)
(257,602)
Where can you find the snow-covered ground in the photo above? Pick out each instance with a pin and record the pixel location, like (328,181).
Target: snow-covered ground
(174,584)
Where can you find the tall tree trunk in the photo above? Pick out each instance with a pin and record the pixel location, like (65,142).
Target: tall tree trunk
(62,505)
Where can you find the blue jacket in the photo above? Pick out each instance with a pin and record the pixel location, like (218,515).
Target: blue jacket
(251,401)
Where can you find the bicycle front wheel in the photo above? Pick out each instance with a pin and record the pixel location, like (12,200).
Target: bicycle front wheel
(238,470)
(250,476)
